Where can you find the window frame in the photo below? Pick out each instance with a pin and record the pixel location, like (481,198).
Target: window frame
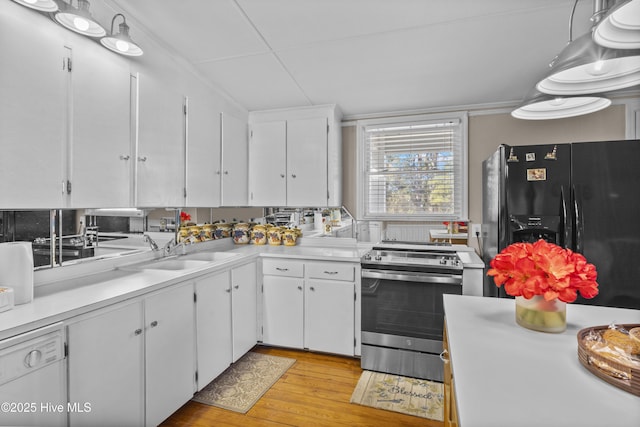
(361,180)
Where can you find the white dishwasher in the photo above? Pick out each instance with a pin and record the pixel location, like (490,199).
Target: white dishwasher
(32,378)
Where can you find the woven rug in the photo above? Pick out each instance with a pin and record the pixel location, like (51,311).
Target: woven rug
(410,396)
(241,385)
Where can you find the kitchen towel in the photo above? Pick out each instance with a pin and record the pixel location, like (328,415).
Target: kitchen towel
(16,270)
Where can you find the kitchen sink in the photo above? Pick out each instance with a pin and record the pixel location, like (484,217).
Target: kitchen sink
(209,256)
(174,264)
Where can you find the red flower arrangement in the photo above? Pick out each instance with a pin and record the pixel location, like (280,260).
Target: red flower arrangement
(184,217)
(542,268)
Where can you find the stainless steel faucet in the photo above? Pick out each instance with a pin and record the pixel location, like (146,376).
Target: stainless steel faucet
(154,246)
(172,245)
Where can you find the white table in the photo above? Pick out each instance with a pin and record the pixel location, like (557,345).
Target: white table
(506,375)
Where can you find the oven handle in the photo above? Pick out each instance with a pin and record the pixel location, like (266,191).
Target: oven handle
(452,279)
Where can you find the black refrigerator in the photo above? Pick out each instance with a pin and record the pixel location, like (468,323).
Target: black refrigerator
(584,196)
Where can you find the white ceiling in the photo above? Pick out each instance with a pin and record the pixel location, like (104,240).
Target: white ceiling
(367,56)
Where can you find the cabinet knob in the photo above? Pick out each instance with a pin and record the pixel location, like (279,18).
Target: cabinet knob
(444,356)
(122,157)
(228,290)
(137,331)
(154,323)
(293,175)
(312,288)
(281,175)
(299,288)
(236,287)
(142,159)
(226,172)
(217,172)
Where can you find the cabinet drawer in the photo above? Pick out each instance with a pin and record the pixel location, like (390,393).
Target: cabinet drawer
(332,271)
(277,267)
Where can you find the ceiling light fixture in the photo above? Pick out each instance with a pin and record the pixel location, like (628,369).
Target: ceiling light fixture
(541,106)
(620,27)
(40,5)
(121,43)
(78,19)
(585,67)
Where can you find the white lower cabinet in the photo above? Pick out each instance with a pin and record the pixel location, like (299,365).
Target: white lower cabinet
(226,320)
(309,305)
(244,317)
(213,326)
(134,363)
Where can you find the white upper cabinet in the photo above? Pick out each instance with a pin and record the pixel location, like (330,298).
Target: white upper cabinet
(101,163)
(33,111)
(295,157)
(160,158)
(234,161)
(267,170)
(203,168)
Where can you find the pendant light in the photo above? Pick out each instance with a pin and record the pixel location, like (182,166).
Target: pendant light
(585,67)
(121,43)
(39,5)
(541,106)
(78,19)
(620,28)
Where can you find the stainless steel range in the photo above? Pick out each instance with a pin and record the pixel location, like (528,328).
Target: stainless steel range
(402,309)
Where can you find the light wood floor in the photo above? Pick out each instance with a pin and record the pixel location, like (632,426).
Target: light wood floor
(315,391)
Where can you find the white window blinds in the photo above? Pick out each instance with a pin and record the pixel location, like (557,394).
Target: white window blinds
(414,170)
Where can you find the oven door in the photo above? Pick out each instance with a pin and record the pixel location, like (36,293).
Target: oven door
(405,304)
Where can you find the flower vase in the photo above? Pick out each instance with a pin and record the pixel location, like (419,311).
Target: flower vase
(539,314)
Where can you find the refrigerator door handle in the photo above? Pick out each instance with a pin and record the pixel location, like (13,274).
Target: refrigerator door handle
(579,226)
(567,230)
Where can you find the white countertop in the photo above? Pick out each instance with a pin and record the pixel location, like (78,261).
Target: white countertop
(73,290)
(506,375)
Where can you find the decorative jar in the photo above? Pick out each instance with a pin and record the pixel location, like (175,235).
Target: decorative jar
(539,314)
(241,232)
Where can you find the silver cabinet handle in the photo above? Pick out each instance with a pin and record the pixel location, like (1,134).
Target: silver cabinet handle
(293,175)
(330,272)
(123,157)
(282,269)
(137,331)
(299,288)
(142,159)
(154,323)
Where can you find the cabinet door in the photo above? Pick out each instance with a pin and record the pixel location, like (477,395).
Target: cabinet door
(307,162)
(203,152)
(101,156)
(213,317)
(170,352)
(160,160)
(106,368)
(329,316)
(235,162)
(33,111)
(267,168)
(244,309)
(283,311)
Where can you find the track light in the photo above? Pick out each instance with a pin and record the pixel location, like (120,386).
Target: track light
(39,5)
(620,27)
(121,43)
(541,106)
(78,19)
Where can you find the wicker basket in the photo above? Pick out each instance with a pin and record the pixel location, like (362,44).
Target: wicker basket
(609,369)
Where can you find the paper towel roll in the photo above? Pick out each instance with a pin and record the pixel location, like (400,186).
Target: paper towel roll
(16,270)
(317,220)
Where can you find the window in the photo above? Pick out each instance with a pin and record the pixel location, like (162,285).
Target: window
(413,168)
